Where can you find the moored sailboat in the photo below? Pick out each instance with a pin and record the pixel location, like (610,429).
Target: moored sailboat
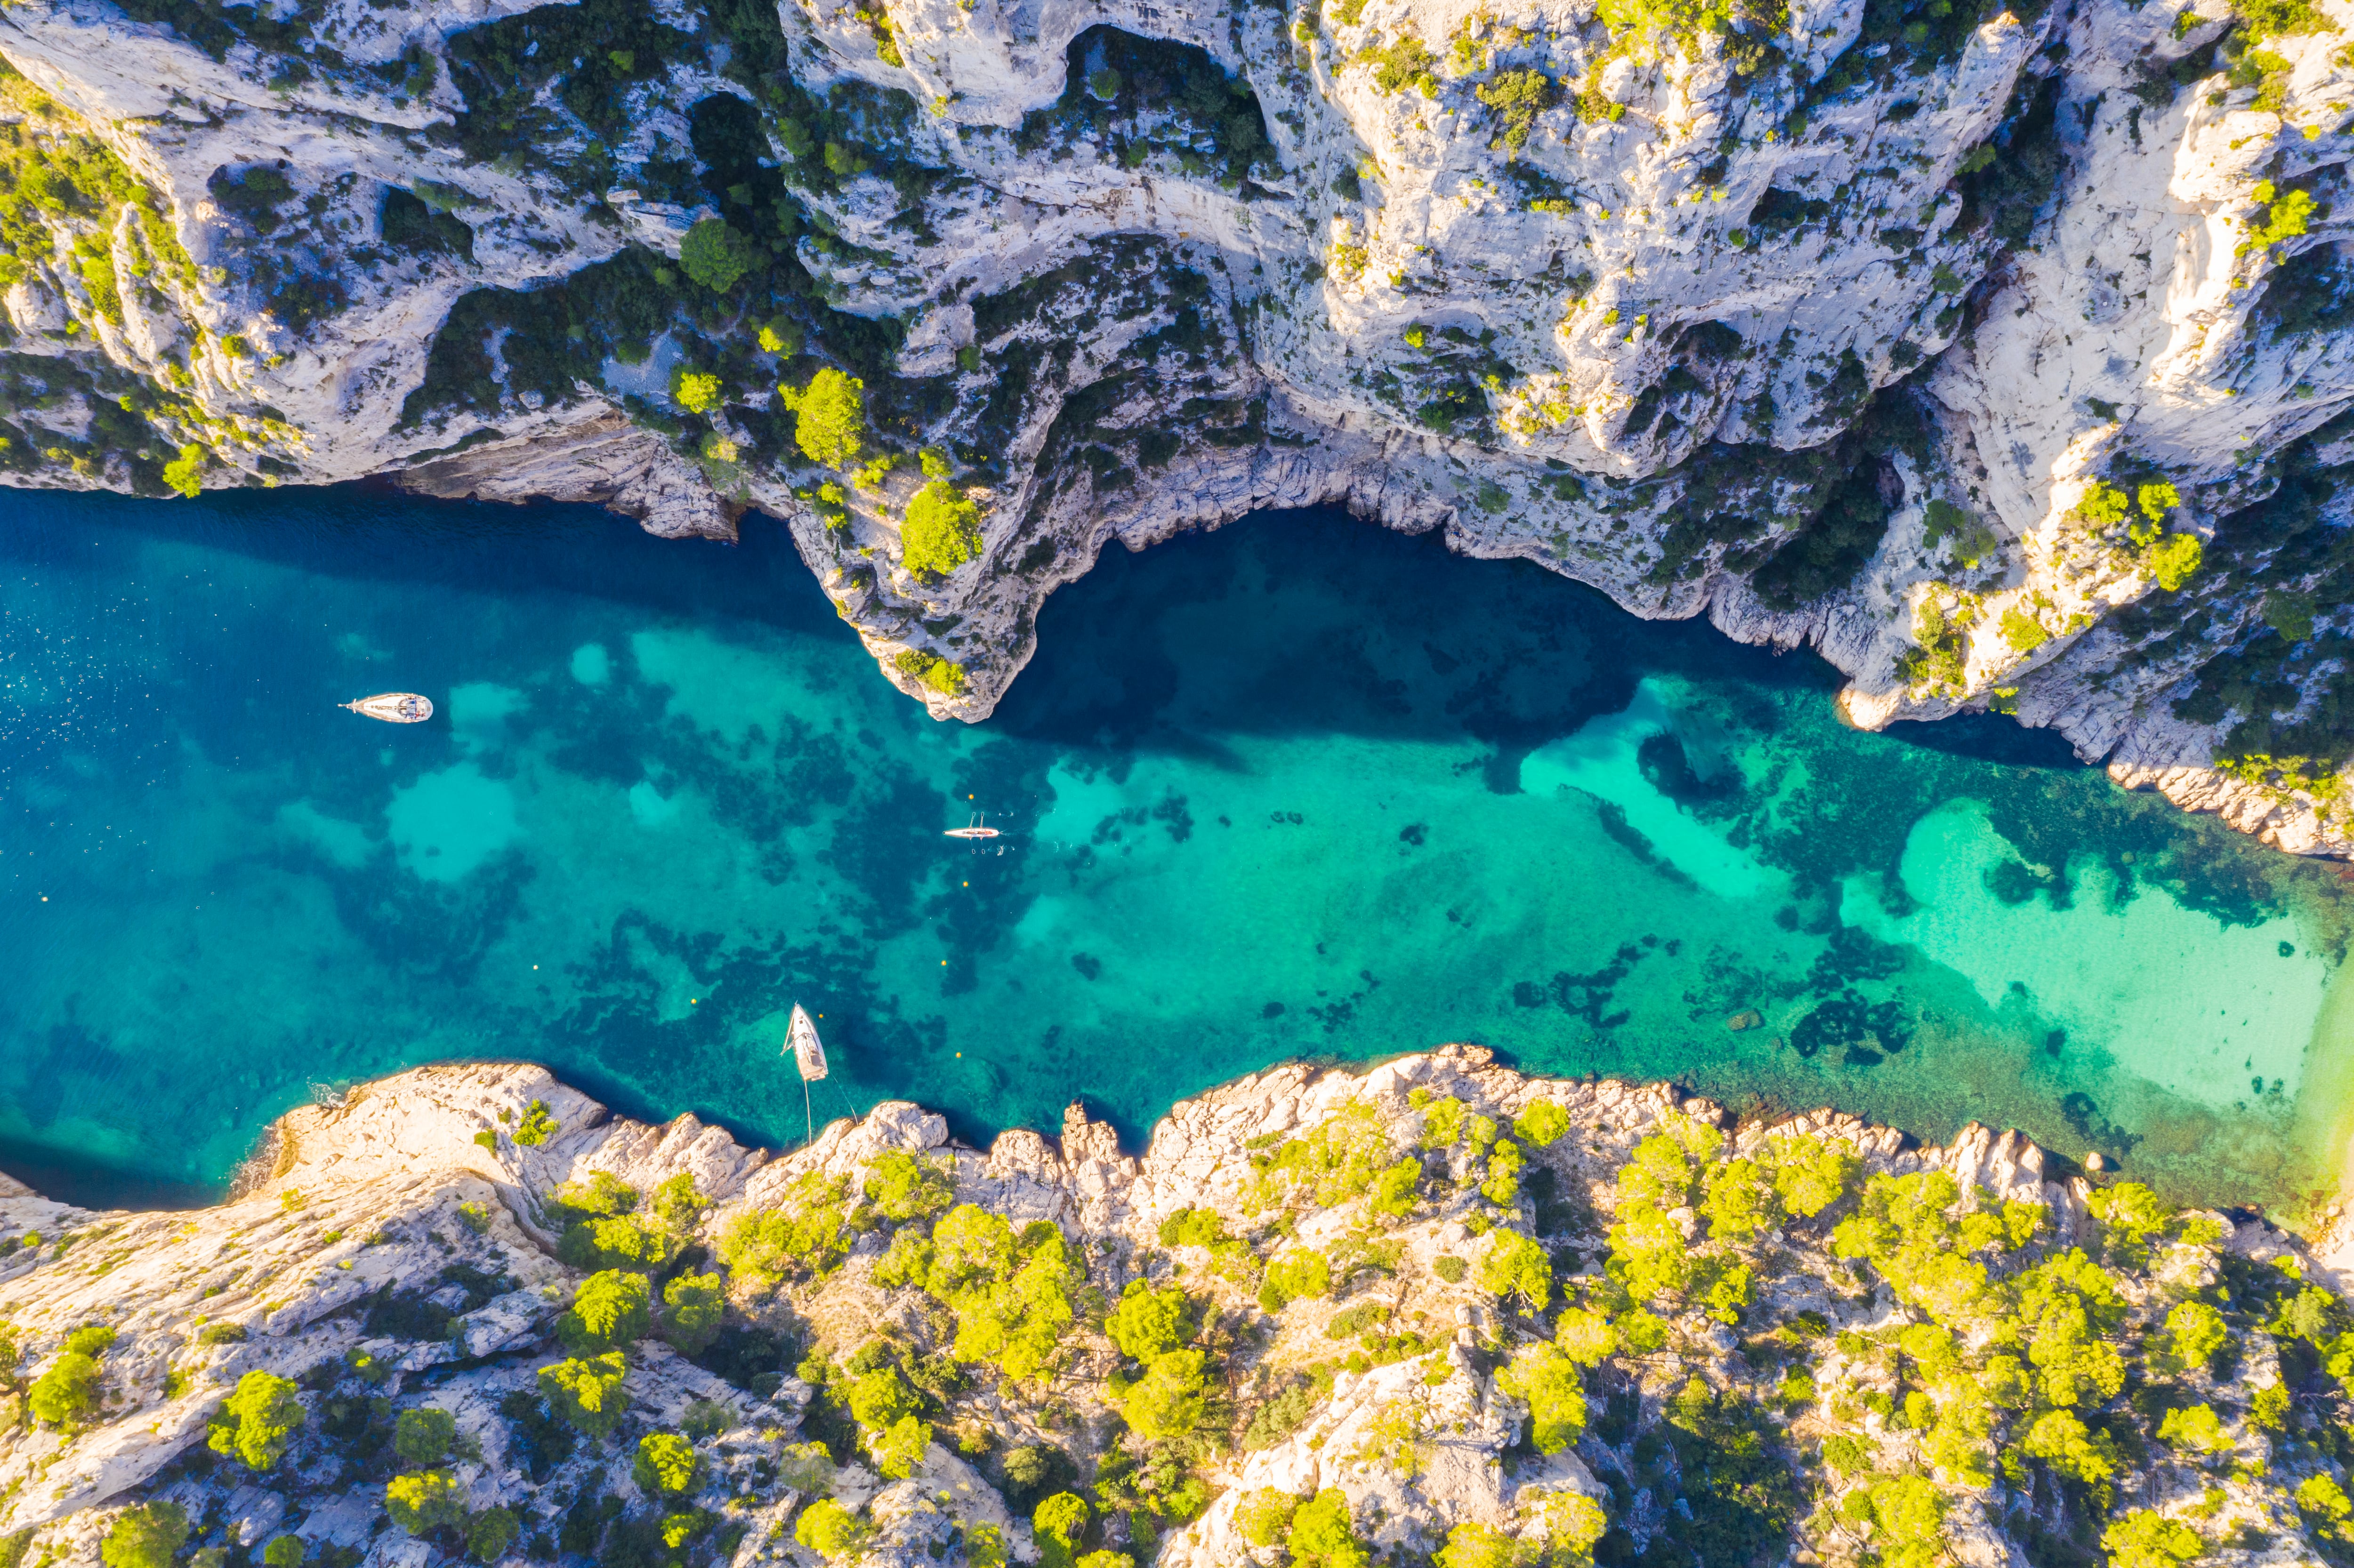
(394,707)
(809,1056)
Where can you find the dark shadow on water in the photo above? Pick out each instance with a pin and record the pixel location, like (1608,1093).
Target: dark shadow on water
(1989,737)
(371,532)
(92,1185)
(1310,621)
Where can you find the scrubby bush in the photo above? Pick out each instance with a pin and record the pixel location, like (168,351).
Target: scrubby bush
(67,1394)
(829,417)
(2148,1539)
(147,1536)
(901,1186)
(490,1533)
(666,1465)
(1295,1276)
(1323,1534)
(608,1312)
(1055,1524)
(801,1235)
(537,1126)
(91,1340)
(424,1435)
(258,1421)
(832,1531)
(587,1392)
(423,1501)
(716,256)
(693,1306)
(941,530)
(1548,1380)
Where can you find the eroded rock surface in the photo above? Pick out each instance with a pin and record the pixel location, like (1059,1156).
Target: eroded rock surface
(1433,1301)
(1997,352)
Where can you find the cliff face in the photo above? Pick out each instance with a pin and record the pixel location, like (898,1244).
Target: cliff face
(1439,1308)
(1994,351)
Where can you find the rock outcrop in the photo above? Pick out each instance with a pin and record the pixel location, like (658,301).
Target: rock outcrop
(1997,352)
(1318,1301)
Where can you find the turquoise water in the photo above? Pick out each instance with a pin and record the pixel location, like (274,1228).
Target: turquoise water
(1299,788)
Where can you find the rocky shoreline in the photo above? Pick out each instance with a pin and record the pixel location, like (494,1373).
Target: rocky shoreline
(1446,1305)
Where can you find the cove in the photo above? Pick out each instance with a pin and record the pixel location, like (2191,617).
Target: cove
(1300,788)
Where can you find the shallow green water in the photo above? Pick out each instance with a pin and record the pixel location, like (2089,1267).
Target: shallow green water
(1300,788)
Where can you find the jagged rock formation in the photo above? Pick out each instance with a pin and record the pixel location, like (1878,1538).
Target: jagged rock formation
(1360,1271)
(1995,351)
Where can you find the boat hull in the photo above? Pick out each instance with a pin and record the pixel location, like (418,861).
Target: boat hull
(809,1052)
(394,707)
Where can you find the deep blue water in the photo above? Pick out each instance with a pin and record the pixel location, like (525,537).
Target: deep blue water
(1299,788)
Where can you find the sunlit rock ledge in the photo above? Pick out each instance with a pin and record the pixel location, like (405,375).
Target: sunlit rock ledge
(1435,1307)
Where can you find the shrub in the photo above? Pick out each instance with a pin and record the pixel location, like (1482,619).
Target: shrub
(1513,1265)
(941,530)
(1324,1535)
(1541,1124)
(1295,1276)
(490,1532)
(666,1465)
(2148,1539)
(2173,559)
(1168,1401)
(423,1501)
(902,1187)
(2023,630)
(1193,1227)
(185,473)
(424,1436)
(1450,1267)
(608,1312)
(91,1340)
(900,1447)
(832,1531)
(692,1305)
(284,1552)
(587,1391)
(257,1420)
(937,673)
(696,391)
(829,417)
(1147,1321)
(1056,1523)
(1548,1380)
(1265,1516)
(145,1537)
(538,1125)
(1518,96)
(802,1235)
(716,256)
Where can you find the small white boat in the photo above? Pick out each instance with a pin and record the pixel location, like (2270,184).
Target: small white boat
(809,1056)
(809,1051)
(973,830)
(394,707)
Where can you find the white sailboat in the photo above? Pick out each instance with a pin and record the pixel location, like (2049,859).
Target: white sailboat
(809,1056)
(978,828)
(393,708)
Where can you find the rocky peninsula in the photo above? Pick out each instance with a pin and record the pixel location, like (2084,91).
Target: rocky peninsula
(1434,1311)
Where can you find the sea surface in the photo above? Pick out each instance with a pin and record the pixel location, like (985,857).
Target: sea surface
(1299,787)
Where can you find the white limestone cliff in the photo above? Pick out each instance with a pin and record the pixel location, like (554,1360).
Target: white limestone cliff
(1632,329)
